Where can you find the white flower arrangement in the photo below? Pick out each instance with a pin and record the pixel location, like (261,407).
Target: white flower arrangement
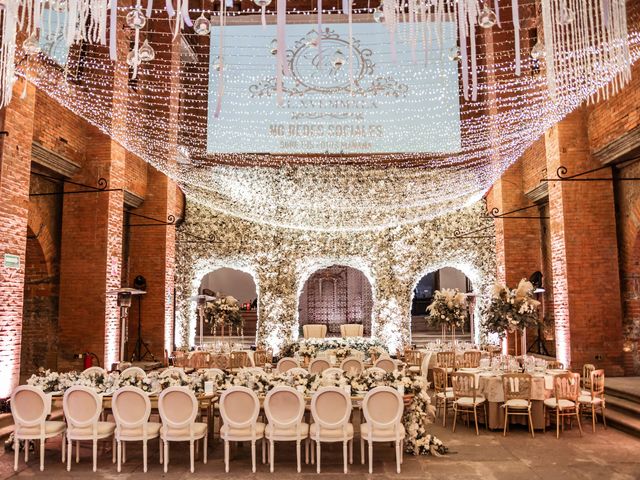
(511,310)
(341,347)
(449,308)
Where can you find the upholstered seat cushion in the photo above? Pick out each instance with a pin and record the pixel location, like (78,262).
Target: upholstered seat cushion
(468,401)
(104,430)
(287,432)
(153,429)
(50,429)
(589,400)
(199,429)
(330,433)
(448,394)
(381,433)
(551,403)
(226,430)
(517,403)
(414,369)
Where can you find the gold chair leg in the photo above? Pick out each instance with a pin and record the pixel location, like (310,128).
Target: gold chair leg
(604,418)
(455,418)
(557,422)
(578,418)
(533,435)
(593,417)
(475,418)
(506,416)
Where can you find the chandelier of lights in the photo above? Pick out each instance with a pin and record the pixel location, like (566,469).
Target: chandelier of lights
(520,67)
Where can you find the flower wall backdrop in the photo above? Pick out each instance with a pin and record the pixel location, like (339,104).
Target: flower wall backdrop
(281,259)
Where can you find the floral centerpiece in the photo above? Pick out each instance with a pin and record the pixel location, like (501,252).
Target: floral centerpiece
(224,311)
(448,310)
(311,347)
(511,310)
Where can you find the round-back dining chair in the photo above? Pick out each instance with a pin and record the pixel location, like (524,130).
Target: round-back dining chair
(387,364)
(287,363)
(318,365)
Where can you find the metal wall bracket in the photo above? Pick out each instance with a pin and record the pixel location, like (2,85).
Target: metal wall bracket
(102,186)
(171,220)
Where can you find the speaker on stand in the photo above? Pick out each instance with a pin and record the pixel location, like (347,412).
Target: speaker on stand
(141,349)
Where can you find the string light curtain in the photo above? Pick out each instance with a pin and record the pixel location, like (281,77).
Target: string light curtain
(522,66)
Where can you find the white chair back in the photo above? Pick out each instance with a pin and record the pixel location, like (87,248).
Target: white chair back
(29,406)
(331,408)
(387,364)
(287,363)
(82,406)
(131,407)
(318,365)
(351,330)
(314,331)
(383,407)
(284,407)
(178,407)
(239,407)
(133,372)
(352,365)
(94,371)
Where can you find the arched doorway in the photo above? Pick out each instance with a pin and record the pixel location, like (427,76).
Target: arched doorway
(334,296)
(224,282)
(446,277)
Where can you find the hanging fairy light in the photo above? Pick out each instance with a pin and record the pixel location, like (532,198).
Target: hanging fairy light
(273,47)
(338,59)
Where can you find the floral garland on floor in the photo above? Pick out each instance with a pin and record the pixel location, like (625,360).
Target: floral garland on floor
(417,414)
(343,347)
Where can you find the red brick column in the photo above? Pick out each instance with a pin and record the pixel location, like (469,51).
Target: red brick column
(586,282)
(15,168)
(152,251)
(91,257)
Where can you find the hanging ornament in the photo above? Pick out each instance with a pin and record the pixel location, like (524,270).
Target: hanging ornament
(487,17)
(135,19)
(537,52)
(378,15)
(313,39)
(202,25)
(58,5)
(338,60)
(31,45)
(146,52)
(133,58)
(273,47)
(454,54)
(217,64)
(566,16)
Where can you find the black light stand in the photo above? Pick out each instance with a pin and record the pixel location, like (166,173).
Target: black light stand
(141,348)
(538,346)
(124,302)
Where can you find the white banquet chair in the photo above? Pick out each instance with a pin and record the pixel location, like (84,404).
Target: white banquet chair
(517,398)
(94,371)
(318,365)
(133,372)
(284,408)
(286,363)
(594,399)
(382,408)
(351,330)
(30,407)
(178,407)
(331,410)
(387,364)
(82,409)
(352,365)
(131,409)
(239,409)
(314,331)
